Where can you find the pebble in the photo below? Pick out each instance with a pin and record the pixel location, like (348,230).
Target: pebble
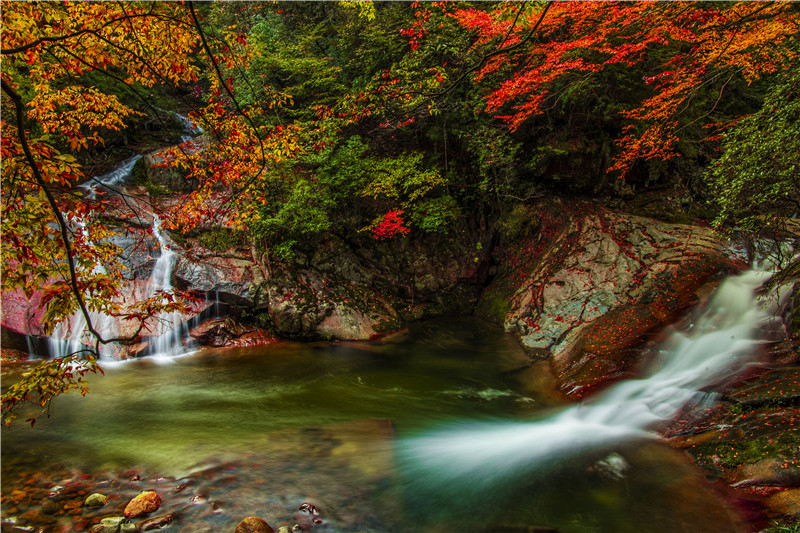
(157,522)
(96,500)
(48,506)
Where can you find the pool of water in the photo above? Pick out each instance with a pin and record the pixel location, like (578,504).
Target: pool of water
(223,434)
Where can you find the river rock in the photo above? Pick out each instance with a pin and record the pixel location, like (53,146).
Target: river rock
(146,502)
(229,332)
(592,285)
(253,524)
(96,500)
(49,506)
(156,522)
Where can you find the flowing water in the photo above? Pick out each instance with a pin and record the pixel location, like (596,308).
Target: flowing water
(72,335)
(447,428)
(171,329)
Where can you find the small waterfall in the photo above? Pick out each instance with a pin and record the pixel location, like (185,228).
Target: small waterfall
(481,455)
(113,177)
(171,327)
(187,125)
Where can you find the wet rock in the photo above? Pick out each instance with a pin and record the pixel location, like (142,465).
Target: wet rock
(253,524)
(258,337)
(144,503)
(592,285)
(49,506)
(117,524)
(786,503)
(228,332)
(96,500)
(156,522)
(780,386)
(770,472)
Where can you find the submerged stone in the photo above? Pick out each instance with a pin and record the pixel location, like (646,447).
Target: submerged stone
(96,500)
(146,502)
(156,523)
(253,524)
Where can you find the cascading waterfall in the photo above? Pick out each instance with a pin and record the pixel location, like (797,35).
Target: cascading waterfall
(188,126)
(72,335)
(171,327)
(482,455)
(113,177)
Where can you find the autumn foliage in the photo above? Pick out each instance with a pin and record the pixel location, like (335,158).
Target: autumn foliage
(354,119)
(538,49)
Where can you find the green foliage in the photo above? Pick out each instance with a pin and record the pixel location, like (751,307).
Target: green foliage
(780,526)
(221,239)
(517,223)
(344,190)
(755,180)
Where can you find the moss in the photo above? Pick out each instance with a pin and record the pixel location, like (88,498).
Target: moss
(156,191)
(221,239)
(494,304)
(139,173)
(733,453)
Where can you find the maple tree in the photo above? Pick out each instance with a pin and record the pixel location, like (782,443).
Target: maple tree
(54,235)
(538,49)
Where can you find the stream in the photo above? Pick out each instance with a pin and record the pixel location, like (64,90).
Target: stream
(445,427)
(228,433)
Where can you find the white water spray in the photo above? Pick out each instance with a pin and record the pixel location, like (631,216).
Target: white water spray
(113,177)
(171,327)
(483,453)
(188,126)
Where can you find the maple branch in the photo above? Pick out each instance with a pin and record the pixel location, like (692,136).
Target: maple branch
(41,40)
(714,107)
(496,52)
(62,224)
(221,80)
(23,138)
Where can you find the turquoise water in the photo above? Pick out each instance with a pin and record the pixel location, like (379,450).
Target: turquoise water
(260,431)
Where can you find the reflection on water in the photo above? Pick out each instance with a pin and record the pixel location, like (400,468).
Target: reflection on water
(259,431)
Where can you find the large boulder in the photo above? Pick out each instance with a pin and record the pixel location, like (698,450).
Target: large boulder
(591,285)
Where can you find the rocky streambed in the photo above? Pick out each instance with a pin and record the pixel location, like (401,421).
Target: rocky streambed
(587,289)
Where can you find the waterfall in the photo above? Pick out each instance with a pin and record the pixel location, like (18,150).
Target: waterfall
(113,177)
(72,335)
(171,327)
(187,125)
(483,454)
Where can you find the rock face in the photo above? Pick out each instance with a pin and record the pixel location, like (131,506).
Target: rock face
(592,285)
(749,438)
(358,292)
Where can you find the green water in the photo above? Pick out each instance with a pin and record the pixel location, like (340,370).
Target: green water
(320,422)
